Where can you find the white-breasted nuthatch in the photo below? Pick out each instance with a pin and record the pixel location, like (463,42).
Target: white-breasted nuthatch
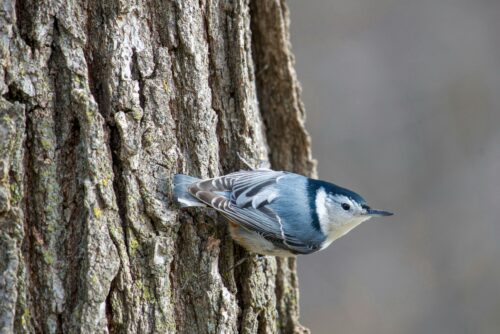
(277,213)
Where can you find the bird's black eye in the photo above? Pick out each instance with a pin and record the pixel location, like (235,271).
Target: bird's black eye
(346,206)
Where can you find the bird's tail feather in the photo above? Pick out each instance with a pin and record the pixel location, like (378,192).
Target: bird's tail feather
(181,193)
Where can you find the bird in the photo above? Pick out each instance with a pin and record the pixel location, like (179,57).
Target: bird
(277,213)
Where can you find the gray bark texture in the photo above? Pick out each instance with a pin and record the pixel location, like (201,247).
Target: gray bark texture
(101,102)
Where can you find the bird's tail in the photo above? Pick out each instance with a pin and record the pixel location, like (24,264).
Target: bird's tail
(181,193)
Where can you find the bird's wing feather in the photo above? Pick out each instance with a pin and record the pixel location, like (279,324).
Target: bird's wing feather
(251,192)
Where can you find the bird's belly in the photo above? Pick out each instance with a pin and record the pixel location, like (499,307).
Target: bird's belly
(254,242)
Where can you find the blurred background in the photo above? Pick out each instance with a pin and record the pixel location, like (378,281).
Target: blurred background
(403,106)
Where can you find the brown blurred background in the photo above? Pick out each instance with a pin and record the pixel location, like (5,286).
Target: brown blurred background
(403,106)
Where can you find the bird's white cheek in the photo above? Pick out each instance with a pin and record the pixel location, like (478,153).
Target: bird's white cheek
(323,217)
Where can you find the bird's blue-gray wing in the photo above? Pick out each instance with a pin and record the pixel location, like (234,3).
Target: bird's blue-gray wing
(245,197)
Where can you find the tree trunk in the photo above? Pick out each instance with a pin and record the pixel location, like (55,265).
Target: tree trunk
(101,103)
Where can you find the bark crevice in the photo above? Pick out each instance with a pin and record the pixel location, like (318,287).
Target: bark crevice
(26,12)
(30,229)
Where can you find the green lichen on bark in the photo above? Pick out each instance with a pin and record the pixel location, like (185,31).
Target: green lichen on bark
(12,274)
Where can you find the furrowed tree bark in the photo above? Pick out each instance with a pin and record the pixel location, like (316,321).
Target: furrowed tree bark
(101,103)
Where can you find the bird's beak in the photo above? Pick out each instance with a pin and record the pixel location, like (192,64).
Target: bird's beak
(372,212)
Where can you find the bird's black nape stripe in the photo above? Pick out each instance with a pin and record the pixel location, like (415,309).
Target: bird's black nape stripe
(312,191)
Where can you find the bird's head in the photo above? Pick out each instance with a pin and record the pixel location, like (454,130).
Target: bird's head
(340,210)
(347,208)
